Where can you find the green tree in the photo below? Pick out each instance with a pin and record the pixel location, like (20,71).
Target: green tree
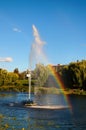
(41,74)
(11,78)
(16,71)
(22,75)
(74,74)
(66,76)
(3,76)
(83,73)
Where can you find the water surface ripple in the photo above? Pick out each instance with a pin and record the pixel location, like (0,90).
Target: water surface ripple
(16,116)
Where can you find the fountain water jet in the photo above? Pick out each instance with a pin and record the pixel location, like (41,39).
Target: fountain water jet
(29,88)
(36,54)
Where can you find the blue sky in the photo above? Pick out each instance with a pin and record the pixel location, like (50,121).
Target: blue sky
(60,23)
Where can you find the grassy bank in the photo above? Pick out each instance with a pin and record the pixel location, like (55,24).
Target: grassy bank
(14,88)
(43,90)
(53,90)
(74,92)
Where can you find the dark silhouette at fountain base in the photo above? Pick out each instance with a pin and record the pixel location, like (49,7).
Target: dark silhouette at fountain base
(28,102)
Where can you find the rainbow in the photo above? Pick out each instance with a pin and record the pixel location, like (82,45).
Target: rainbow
(60,84)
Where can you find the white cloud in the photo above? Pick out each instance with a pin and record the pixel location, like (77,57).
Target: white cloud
(6,59)
(16,30)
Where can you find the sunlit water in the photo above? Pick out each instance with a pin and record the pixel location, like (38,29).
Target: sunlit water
(15,116)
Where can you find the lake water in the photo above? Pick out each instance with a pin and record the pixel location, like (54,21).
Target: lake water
(14,116)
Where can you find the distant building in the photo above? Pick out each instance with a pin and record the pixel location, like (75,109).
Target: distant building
(58,67)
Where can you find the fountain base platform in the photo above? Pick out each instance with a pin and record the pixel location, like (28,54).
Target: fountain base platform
(46,107)
(33,105)
(28,102)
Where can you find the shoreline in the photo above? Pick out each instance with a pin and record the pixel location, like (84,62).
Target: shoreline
(74,92)
(45,90)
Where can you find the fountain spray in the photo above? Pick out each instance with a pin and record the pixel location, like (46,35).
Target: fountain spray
(36,56)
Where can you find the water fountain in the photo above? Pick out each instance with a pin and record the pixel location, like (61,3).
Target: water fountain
(37,55)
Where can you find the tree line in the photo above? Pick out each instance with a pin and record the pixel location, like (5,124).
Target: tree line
(73,76)
(18,81)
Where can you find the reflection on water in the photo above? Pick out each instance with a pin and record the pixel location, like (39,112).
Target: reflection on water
(18,117)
